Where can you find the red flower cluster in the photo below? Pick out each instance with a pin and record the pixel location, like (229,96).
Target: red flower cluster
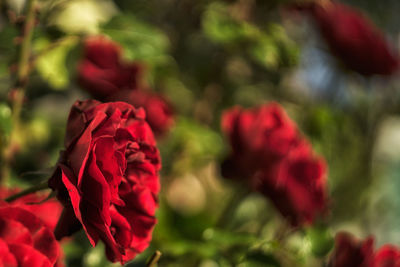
(25,240)
(351,252)
(104,74)
(107,177)
(352,38)
(271,155)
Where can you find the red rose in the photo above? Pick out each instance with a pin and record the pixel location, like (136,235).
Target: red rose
(270,155)
(102,72)
(24,240)
(296,185)
(353,38)
(352,252)
(48,211)
(159,112)
(387,256)
(107,177)
(258,136)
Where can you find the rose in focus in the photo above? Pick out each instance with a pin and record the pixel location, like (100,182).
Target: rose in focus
(270,155)
(159,113)
(107,177)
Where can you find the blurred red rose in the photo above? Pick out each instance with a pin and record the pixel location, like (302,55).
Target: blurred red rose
(387,256)
(296,185)
(24,240)
(270,155)
(107,177)
(351,37)
(159,112)
(102,71)
(107,78)
(351,252)
(48,211)
(259,136)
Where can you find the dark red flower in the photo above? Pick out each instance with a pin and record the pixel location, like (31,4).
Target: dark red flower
(270,155)
(352,38)
(351,252)
(259,136)
(48,211)
(24,240)
(296,185)
(102,71)
(159,112)
(107,177)
(387,256)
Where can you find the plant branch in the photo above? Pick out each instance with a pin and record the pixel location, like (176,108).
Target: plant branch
(18,94)
(38,187)
(152,262)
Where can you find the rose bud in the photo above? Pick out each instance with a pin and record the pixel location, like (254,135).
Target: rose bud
(25,240)
(352,38)
(159,112)
(387,256)
(352,252)
(102,71)
(107,177)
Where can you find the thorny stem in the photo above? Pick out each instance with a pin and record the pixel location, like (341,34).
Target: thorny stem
(38,187)
(18,90)
(154,259)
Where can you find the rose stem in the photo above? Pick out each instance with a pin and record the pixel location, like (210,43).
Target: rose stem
(20,84)
(154,259)
(38,187)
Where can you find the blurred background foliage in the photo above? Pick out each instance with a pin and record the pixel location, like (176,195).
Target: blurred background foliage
(206,56)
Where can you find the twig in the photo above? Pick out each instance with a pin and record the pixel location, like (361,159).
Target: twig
(41,186)
(152,262)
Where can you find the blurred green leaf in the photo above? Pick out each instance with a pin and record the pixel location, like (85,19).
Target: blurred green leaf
(219,26)
(51,65)
(81,16)
(321,240)
(5,119)
(140,40)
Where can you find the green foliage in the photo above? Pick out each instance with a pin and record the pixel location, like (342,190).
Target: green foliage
(52,62)
(271,48)
(140,40)
(321,240)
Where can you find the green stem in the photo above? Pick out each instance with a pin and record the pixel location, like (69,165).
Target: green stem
(38,187)
(19,94)
(154,259)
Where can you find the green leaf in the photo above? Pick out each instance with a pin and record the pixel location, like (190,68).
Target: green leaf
(321,240)
(140,41)
(52,64)
(219,26)
(82,16)
(5,119)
